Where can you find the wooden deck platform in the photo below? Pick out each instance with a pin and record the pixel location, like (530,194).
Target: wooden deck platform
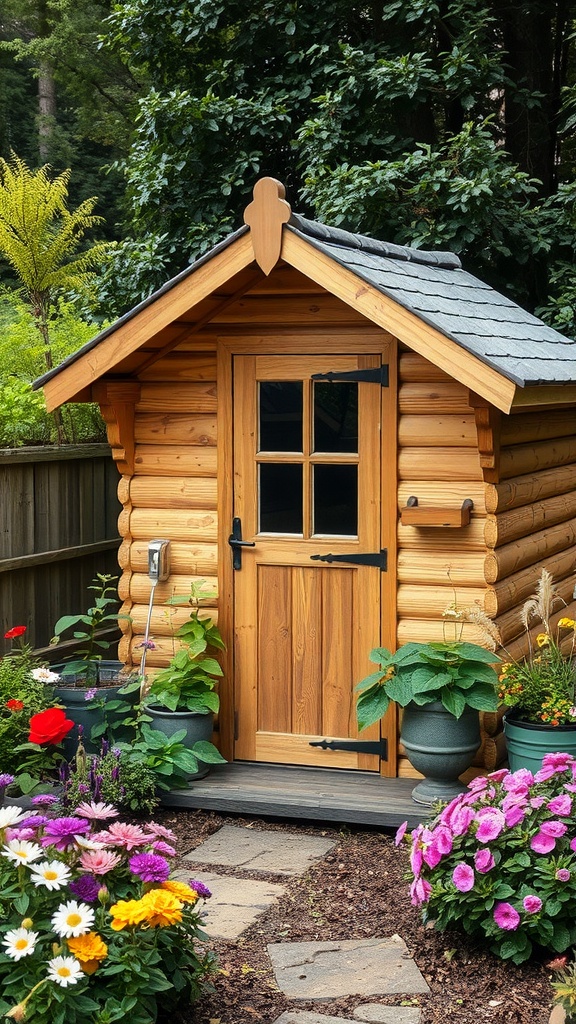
(318,794)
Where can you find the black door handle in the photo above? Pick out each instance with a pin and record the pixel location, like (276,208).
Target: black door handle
(236,543)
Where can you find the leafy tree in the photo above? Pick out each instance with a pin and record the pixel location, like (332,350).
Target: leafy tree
(423,121)
(40,239)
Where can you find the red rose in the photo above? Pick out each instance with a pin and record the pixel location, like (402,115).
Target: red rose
(14,705)
(50,726)
(14,632)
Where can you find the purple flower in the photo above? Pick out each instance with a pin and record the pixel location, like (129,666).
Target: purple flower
(61,832)
(90,694)
(491,822)
(44,800)
(483,860)
(506,917)
(532,904)
(200,888)
(149,867)
(6,780)
(563,875)
(463,877)
(33,821)
(86,888)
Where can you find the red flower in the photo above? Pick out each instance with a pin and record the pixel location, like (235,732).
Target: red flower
(50,726)
(14,632)
(14,705)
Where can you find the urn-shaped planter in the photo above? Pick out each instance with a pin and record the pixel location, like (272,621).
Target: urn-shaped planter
(440,747)
(198,727)
(528,742)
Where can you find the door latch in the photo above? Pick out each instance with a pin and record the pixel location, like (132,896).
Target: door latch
(236,543)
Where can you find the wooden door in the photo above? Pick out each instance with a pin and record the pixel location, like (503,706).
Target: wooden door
(307,480)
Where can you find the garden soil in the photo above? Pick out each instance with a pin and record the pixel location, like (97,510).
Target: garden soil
(358,891)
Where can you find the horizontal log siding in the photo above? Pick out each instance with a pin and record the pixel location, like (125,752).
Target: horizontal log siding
(172,494)
(438,462)
(531,520)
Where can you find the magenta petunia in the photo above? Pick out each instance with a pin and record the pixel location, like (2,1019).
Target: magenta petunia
(439,846)
(420,891)
(463,877)
(506,917)
(499,775)
(561,804)
(400,833)
(483,860)
(523,777)
(491,822)
(563,875)
(149,867)
(515,815)
(532,904)
(542,843)
(556,829)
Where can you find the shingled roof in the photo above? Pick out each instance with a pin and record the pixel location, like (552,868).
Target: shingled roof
(434,286)
(451,306)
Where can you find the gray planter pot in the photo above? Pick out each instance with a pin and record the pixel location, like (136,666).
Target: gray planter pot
(441,747)
(198,727)
(72,694)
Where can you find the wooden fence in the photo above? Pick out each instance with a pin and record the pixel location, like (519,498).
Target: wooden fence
(58,528)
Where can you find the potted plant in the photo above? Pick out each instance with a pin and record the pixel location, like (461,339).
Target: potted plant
(441,686)
(94,691)
(539,689)
(182,698)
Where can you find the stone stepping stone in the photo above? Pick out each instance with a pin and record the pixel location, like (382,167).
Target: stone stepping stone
(257,850)
(235,902)
(374,1012)
(308,971)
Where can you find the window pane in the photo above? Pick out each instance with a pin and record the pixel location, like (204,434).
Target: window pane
(335,416)
(336,500)
(280,498)
(280,416)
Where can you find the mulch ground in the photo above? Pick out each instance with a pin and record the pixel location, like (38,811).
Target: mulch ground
(357,891)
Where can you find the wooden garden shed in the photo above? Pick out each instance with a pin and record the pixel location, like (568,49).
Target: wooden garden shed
(387,431)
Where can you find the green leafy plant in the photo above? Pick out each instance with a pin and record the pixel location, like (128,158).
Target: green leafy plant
(97,618)
(541,687)
(499,861)
(167,756)
(112,775)
(75,949)
(188,683)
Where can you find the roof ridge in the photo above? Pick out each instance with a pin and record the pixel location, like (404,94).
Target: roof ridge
(375,246)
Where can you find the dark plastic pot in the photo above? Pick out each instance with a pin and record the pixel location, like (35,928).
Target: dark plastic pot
(72,694)
(198,727)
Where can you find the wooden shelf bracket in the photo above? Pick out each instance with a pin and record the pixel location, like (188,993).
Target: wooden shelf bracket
(414,514)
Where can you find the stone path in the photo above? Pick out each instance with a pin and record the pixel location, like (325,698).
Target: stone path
(304,971)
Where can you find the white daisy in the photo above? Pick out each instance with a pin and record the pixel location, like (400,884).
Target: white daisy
(72,919)
(44,675)
(65,970)
(19,942)
(51,873)
(89,844)
(11,815)
(22,851)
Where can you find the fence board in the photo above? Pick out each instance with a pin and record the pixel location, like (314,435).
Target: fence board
(58,527)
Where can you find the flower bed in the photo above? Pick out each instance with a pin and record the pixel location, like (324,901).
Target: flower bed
(93,927)
(499,861)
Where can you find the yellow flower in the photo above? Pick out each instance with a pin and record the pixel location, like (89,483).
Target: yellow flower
(567,624)
(180,890)
(127,912)
(162,908)
(542,639)
(89,949)
(505,668)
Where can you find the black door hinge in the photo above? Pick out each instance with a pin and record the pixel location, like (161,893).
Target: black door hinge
(378,375)
(379,559)
(379,747)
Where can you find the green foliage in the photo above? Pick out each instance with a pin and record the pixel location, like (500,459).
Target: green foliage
(97,617)
(498,862)
(457,674)
(168,757)
(111,776)
(17,684)
(187,684)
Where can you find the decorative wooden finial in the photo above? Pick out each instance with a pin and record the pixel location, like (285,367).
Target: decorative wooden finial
(265,217)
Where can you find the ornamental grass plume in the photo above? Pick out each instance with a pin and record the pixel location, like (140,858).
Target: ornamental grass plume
(499,861)
(540,688)
(74,950)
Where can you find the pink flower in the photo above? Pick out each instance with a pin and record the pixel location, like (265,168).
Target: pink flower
(480,782)
(161,832)
(563,875)
(491,822)
(439,846)
(96,811)
(121,834)
(420,891)
(553,828)
(515,779)
(573,845)
(537,802)
(542,843)
(458,819)
(483,860)
(553,764)
(515,815)
(532,904)
(99,862)
(499,775)
(463,877)
(506,917)
(560,804)
(400,833)
(161,847)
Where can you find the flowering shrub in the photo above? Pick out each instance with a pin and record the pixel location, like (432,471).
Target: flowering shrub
(541,687)
(499,860)
(93,927)
(113,776)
